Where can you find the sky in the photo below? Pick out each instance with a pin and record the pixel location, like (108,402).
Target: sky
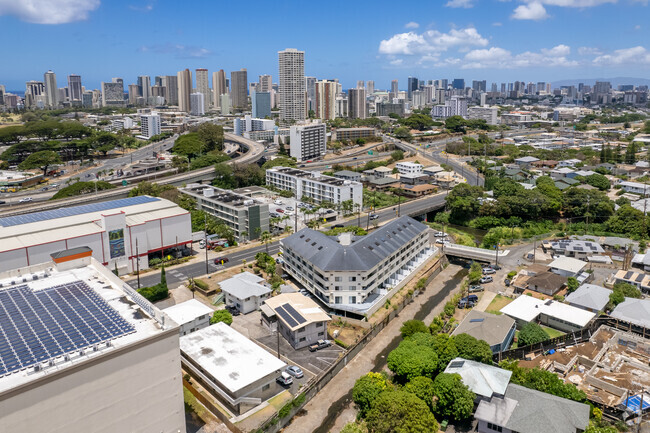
(495,40)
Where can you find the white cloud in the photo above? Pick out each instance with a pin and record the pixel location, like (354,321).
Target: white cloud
(460,4)
(625,56)
(396,62)
(586,51)
(48,11)
(530,11)
(497,24)
(500,58)
(412,25)
(432,41)
(576,3)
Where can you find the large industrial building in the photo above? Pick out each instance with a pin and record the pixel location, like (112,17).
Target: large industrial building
(247,217)
(318,187)
(354,273)
(119,232)
(80,351)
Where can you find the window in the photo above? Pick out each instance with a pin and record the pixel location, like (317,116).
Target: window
(265,387)
(320,334)
(494,427)
(338,287)
(301,329)
(352,287)
(352,278)
(338,279)
(353,299)
(302,339)
(338,299)
(319,324)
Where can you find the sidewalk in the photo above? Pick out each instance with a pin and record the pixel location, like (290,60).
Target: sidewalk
(485,300)
(365,361)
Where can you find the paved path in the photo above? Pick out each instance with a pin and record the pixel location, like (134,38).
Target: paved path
(342,383)
(485,300)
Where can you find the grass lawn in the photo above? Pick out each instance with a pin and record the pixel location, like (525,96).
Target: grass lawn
(552,333)
(497,304)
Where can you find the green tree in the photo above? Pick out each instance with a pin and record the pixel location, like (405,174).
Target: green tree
(572,284)
(221,316)
(413,326)
(531,333)
(397,155)
(599,181)
(189,145)
(211,134)
(41,160)
(453,398)
(475,273)
(455,124)
(223,176)
(403,133)
(423,389)
(266,238)
(366,390)
(163,276)
(400,412)
(544,381)
(473,349)
(627,220)
(410,360)
(353,427)
(79,188)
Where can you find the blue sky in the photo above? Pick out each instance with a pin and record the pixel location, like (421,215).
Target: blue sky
(496,40)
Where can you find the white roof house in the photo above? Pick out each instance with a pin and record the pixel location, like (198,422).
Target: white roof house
(484,380)
(246,291)
(230,358)
(567,266)
(528,308)
(190,314)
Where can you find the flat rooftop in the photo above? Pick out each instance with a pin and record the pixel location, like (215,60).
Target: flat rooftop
(229,357)
(528,308)
(223,196)
(314,176)
(187,311)
(51,321)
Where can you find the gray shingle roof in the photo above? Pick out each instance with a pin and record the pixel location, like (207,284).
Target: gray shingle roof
(488,327)
(244,285)
(364,253)
(589,296)
(633,310)
(534,412)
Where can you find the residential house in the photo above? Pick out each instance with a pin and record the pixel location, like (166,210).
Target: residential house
(569,163)
(538,278)
(560,173)
(245,291)
(191,315)
(635,311)
(348,175)
(414,191)
(573,248)
(635,187)
(525,161)
(589,297)
(567,266)
(524,410)
(546,163)
(551,313)
(497,330)
(486,381)
(299,319)
(638,279)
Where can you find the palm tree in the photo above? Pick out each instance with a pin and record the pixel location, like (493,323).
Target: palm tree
(266,237)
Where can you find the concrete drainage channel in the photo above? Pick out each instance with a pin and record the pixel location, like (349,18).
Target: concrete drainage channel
(275,424)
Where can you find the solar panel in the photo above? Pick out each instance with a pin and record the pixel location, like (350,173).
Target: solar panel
(628,275)
(639,278)
(286,317)
(296,315)
(74,210)
(456,364)
(36,326)
(475,320)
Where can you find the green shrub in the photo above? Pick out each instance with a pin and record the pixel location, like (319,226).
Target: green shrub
(154,293)
(154,262)
(201,284)
(221,316)
(340,343)
(286,410)
(299,400)
(511,274)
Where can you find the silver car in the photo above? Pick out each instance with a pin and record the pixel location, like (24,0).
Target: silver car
(295,371)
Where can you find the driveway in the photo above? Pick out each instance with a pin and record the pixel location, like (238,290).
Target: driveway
(312,362)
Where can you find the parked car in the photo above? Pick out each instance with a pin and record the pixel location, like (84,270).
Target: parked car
(295,371)
(338,226)
(279,210)
(221,260)
(2,202)
(320,344)
(506,282)
(289,207)
(279,202)
(440,234)
(476,288)
(465,304)
(495,267)
(486,279)
(25,200)
(284,379)
(232,309)
(470,298)
(489,271)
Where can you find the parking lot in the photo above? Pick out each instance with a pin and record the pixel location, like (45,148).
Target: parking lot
(287,208)
(311,363)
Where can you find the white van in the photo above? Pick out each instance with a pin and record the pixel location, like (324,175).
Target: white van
(284,379)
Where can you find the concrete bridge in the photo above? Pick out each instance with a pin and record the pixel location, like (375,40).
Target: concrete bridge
(474,253)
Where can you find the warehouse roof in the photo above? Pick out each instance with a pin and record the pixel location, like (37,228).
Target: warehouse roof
(363,254)
(488,327)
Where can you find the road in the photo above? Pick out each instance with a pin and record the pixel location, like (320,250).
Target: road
(180,274)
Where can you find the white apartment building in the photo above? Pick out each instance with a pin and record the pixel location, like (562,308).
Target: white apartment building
(149,125)
(489,114)
(308,141)
(635,187)
(409,167)
(314,185)
(293,104)
(197,104)
(244,127)
(354,273)
(456,106)
(121,123)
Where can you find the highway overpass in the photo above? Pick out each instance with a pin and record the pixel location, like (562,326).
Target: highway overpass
(473,253)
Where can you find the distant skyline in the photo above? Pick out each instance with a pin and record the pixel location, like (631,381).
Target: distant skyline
(495,40)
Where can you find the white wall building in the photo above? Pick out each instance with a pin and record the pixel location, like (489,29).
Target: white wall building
(314,185)
(354,273)
(114,230)
(409,167)
(308,141)
(245,291)
(456,106)
(489,114)
(197,104)
(107,361)
(300,320)
(149,125)
(190,315)
(293,103)
(248,124)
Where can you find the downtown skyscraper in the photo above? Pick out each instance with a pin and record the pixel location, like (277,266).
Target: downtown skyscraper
(184,90)
(239,88)
(74,88)
(51,90)
(293,104)
(203,86)
(218,87)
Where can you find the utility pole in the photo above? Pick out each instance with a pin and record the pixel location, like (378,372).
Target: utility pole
(496,255)
(137,261)
(588,202)
(205,233)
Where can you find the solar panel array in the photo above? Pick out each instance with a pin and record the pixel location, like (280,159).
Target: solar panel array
(75,210)
(290,315)
(36,326)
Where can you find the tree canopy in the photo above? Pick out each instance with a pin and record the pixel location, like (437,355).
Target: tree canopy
(366,390)
(410,327)
(531,333)
(453,398)
(399,411)
(41,160)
